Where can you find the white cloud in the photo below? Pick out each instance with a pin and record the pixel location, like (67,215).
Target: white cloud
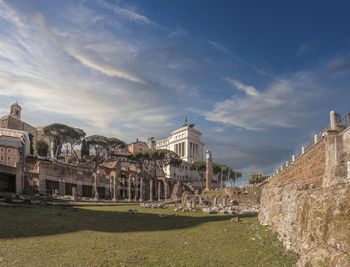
(105,68)
(249,90)
(67,72)
(284,103)
(219,47)
(127,13)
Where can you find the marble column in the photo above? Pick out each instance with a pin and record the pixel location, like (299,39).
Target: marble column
(151,190)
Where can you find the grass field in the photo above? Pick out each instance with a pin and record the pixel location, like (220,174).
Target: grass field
(107,236)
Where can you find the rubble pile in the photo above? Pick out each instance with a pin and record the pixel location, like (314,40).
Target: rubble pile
(153,205)
(231,208)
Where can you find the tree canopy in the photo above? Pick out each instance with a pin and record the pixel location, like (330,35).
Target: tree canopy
(223,172)
(254,179)
(61,133)
(160,157)
(41,147)
(99,143)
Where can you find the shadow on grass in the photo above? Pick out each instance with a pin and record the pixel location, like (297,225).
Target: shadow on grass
(30,221)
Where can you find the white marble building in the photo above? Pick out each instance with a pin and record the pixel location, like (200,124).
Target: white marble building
(186,142)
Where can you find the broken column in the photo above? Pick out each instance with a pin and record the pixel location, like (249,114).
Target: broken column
(333,120)
(224,202)
(74,193)
(215,201)
(200,201)
(189,204)
(208,172)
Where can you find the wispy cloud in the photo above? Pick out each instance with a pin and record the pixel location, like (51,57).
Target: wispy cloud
(339,64)
(178,32)
(282,104)
(225,50)
(68,73)
(248,89)
(221,48)
(105,68)
(127,13)
(304,48)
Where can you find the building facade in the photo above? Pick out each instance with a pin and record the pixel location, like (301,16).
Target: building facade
(186,142)
(137,146)
(13,121)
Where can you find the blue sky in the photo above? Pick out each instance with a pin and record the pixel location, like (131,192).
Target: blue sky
(258,78)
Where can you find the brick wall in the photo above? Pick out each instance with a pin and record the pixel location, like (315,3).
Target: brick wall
(309,168)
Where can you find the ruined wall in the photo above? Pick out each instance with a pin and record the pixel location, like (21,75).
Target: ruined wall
(337,157)
(315,223)
(309,168)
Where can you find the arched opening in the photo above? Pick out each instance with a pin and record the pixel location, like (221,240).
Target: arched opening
(161,191)
(7,182)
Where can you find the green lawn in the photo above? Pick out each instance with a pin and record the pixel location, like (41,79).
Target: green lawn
(106,236)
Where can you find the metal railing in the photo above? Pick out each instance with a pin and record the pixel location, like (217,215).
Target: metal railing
(317,138)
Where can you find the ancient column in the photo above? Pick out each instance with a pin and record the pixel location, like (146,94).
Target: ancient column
(74,193)
(208,173)
(224,202)
(215,201)
(136,188)
(315,139)
(151,190)
(129,188)
(141,190)
(96,194)
(114,188)
(124,189)
(19,178)
(333,120)
(159,190)
(111,187)
(165,190)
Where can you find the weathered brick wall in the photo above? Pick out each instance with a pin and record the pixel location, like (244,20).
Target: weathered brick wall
(309,168)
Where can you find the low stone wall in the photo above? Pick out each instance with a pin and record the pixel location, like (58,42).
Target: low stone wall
(315,223)
(309,168)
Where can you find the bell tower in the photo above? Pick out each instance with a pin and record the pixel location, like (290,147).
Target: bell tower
(16,110)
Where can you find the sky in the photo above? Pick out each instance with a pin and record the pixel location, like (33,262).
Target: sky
(257,78)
